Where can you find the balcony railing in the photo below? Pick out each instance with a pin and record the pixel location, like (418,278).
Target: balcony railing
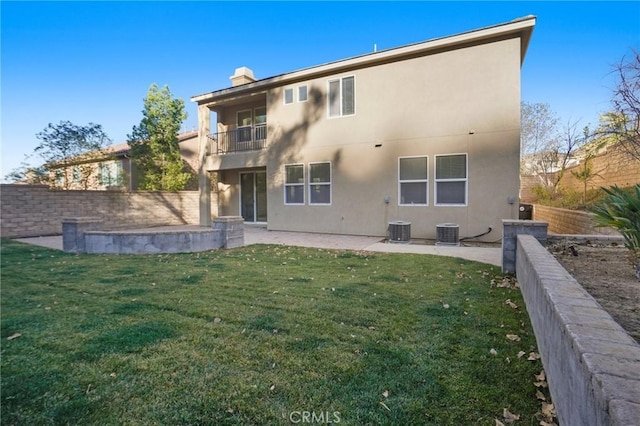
(242,139)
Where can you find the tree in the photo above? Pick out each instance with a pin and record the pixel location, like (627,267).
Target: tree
(538,128)
(67,151)
(154,142)
(545,152)
(624,120)
(591,148)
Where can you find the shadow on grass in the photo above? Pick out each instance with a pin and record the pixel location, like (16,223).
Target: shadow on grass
(125,339)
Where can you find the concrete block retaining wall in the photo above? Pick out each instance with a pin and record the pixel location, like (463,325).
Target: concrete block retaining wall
(123,242)
(565,221)
(592,364)
(35,210)
(85,235)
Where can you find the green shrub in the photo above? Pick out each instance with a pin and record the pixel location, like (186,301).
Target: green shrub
(621,210)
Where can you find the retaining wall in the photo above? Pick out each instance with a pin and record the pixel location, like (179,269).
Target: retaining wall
(565,221)
(614,166)
(592,364)
(35,210)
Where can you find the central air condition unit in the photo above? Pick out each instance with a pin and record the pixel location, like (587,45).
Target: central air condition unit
(447,234)
(400,232)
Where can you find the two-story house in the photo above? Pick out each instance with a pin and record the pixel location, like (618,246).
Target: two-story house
(426,133)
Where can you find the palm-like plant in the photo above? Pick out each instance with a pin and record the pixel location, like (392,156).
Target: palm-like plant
(621,210)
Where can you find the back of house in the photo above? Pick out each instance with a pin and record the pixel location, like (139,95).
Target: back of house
(427,133)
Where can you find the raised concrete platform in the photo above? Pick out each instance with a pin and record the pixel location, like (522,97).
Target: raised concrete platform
(166,239)
(260,235)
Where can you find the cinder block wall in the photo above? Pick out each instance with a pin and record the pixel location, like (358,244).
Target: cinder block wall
(615,166)
(564,221)
(34,210)
(592,364)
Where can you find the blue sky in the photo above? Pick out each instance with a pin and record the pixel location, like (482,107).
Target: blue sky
(94,61)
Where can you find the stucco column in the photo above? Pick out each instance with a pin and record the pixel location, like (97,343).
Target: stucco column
(204,182)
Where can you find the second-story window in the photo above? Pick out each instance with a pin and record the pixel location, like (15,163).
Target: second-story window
(288,96)
(302,93)
(244,122)
(342,96)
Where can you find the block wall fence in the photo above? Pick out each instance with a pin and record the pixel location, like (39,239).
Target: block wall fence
(565,221)
(36,210)
(613,167)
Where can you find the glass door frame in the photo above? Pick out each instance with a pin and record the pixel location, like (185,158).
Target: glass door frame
(255,195)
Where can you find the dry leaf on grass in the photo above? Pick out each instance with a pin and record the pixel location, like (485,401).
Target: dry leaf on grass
(521,354)
(513,337)
(511,304)
(540,395)
(548,410)
(385,394)
(499,423)
(385,406)
(509,417)
(540,377)
(533,356)
(14,336)
(493,352)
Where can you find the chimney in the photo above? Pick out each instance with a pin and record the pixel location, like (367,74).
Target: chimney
(243,75)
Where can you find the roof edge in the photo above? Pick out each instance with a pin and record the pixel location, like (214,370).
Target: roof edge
(523,26)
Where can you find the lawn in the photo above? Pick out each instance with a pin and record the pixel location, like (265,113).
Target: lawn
(260,335)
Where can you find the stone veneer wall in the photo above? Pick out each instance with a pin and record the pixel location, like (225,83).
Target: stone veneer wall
(565,221)
(592,364)
(35,210)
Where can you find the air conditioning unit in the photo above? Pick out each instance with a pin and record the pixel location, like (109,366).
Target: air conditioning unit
(400,232)
(447,234)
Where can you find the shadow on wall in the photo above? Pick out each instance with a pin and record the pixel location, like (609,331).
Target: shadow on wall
(285,144)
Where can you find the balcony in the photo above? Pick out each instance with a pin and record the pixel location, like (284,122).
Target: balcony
(241,139)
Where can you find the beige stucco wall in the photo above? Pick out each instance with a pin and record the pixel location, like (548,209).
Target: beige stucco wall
(461,101)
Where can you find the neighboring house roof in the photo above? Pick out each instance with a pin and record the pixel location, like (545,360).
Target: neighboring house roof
(124,148)
(522,27)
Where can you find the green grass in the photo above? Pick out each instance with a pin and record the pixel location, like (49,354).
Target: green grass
(259,335)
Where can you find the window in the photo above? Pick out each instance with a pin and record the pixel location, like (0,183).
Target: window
(244,120)
(288,96)
(451,179)
(260,115)
(342,97)
(319,183)
(413,181)
(77,174)
(302,93)
(294,184)
(110,173)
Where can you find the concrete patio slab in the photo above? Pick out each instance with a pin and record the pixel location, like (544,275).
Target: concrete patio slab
(260,235)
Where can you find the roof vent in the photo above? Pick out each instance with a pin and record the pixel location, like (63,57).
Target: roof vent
(243,75)
(400,232)
(447,234)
